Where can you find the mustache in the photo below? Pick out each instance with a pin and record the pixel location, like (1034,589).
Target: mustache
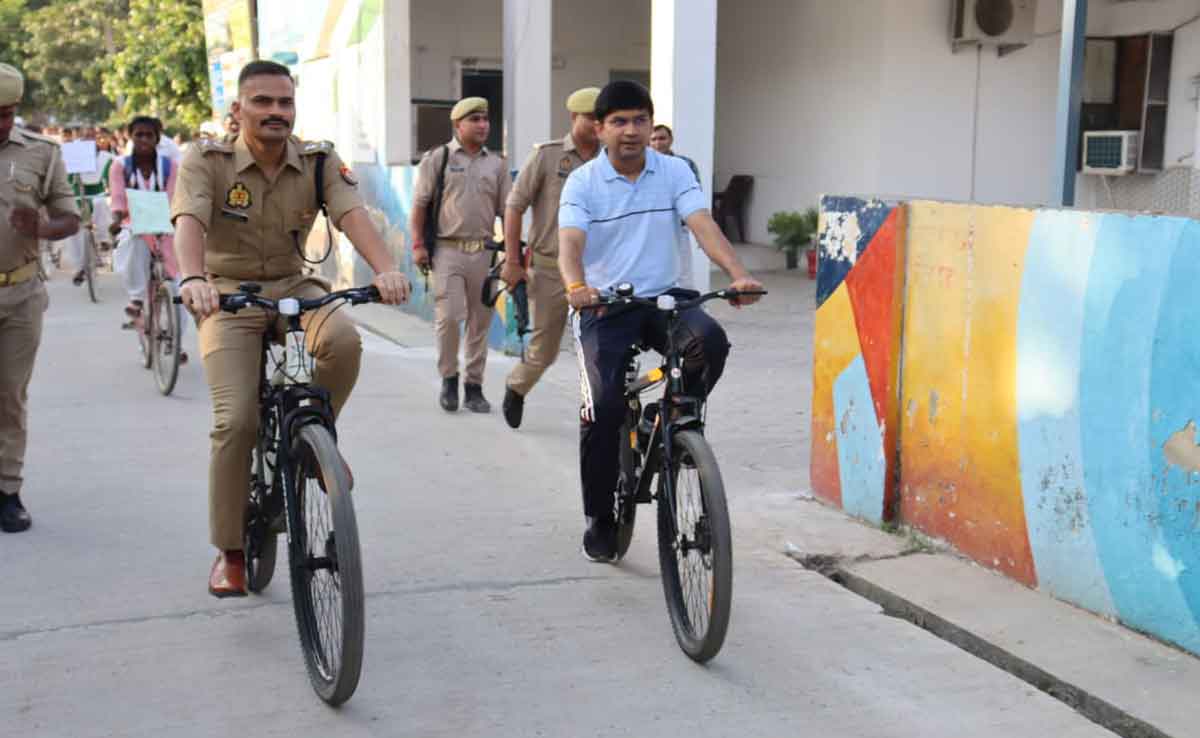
(276,120)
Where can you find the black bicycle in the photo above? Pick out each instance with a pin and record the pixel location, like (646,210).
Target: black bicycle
(664,457)
(300,485)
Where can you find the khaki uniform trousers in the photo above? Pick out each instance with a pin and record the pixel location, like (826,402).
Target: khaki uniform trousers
(232,346)
(548,307)
(20,335)
(459,271)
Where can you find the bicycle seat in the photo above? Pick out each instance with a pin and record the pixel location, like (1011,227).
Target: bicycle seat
(252,288)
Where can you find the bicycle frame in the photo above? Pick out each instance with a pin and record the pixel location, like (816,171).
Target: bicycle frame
(677,411)
(285,406)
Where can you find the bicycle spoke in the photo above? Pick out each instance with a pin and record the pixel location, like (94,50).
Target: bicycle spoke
(322,576)
(692,549)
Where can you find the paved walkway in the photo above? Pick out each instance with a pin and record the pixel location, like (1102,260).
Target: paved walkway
(482,618)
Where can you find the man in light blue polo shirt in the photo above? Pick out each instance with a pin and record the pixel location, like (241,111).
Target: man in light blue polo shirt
(618,219)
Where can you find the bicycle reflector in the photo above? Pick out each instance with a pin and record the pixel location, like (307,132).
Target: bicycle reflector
(289,306)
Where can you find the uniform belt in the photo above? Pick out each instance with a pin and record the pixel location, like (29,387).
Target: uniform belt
(465,245)
(19,275)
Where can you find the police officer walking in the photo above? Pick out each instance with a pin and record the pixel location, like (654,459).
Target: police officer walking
(243,209)
(475,184)
(539,184)
(32,176)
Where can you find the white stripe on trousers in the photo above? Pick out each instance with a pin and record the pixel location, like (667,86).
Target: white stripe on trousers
(587,409)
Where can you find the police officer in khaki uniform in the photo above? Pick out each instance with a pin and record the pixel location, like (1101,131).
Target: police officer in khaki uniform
(539,184)
(32,176)
(242,212)
(476,186)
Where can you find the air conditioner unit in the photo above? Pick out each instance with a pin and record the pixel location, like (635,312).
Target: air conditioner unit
(993,22)
(1110,152)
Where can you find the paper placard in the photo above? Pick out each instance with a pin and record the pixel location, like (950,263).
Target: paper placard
(149,212)
(79,157)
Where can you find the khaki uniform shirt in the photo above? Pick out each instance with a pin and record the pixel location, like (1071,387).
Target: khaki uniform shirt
(252,223)
(539,184)
(476,190)
(32,175)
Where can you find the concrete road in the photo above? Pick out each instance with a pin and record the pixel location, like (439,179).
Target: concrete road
(482,617)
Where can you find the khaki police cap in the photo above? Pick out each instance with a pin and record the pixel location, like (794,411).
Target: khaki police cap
(12,85)
(468,105)
(583,100)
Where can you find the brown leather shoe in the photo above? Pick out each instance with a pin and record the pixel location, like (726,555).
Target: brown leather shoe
(228,577)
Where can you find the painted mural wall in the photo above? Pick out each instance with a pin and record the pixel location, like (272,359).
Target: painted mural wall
(1046,371)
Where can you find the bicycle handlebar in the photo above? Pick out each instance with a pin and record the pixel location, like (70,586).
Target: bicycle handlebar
(232,303)
(672,303)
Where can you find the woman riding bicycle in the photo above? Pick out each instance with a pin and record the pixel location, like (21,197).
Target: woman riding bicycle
(618,217)
(144,169)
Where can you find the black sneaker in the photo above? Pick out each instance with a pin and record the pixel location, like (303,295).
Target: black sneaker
(474,400)
(449,396)
(13,516)
(514,407)
(600,541)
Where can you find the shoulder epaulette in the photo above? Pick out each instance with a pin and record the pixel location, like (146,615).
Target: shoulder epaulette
(545,144)
(212,145)
(312,148)
(39,137)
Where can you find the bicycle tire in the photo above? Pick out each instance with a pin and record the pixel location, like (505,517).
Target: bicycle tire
(165,339)
(260,542)
(331,625)
(691,452)
(89,264)
(624,503)
(144,328)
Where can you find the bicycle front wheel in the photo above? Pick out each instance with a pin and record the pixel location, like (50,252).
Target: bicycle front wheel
(164,339)
(89,264)
(695,548)
(326,567)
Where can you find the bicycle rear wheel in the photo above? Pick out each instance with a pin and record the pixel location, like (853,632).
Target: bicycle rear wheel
(261,540)
(89,263)
(164,339)
(144,326)
(695,548)
(326,567)
(626,505)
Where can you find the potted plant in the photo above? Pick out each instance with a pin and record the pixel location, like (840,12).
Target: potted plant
(794,231)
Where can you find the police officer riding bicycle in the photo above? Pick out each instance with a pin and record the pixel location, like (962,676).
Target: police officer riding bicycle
(617,218)
(243,209)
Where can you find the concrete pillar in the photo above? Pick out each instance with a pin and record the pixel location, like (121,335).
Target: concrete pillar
(683,82)
(1070,97)
(396,148)
(528,39)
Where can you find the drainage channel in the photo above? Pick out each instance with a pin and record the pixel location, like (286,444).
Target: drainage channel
(1099,711)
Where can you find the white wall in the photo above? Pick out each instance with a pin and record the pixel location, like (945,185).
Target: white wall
(590,39)
(865,96)
(445,30)
(797,104)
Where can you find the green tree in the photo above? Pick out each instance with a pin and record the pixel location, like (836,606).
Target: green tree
(162,66)
(64,48)
(10,17)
